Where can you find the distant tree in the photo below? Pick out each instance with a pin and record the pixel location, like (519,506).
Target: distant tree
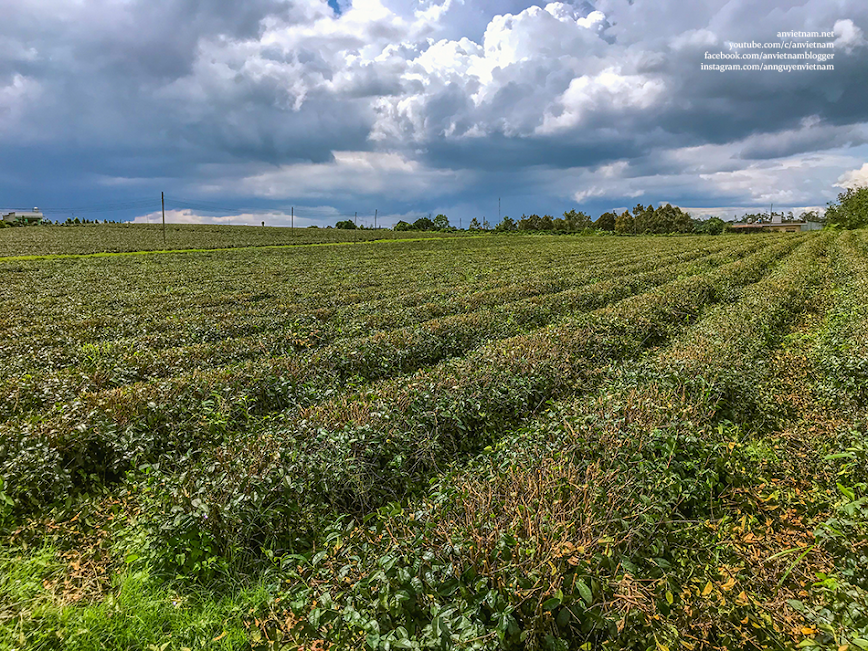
(606,221)
(403,226)
(528,223)
(663,219)
(851,209)
(711,226)
(643,218)
(625,223)
(474,225)
(536,223)
(441,222)
(577,220)
(671,219)
(486,226)
(424,224)
(347,224)
(716,226)
(507,225)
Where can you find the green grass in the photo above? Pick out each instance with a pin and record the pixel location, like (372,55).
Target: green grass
(136,612)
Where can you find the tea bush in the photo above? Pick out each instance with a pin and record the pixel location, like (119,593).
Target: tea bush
(401,432)
(518,443)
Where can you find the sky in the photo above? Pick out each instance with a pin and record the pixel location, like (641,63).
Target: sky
(306,112)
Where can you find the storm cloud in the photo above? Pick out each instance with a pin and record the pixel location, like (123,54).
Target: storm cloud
(418,106)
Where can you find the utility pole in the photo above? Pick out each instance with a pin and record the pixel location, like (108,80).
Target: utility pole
(163,202)
(292,213)
(356,218)
(498,210)
(375,219)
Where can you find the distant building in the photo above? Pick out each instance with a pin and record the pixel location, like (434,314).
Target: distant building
(24,218)
(778,227)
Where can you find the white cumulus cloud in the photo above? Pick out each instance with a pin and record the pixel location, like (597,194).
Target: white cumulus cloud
(848,35)
(854,178)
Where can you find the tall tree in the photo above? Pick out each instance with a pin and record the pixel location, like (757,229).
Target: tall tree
(851,209)
(577,220)
(625,223)
(424,224)
(506,225)
(529,223)
(606,221)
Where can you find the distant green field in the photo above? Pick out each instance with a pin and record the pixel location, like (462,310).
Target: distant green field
(452,443)
(115,238)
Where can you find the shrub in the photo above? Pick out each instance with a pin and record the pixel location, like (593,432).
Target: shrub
(711,226)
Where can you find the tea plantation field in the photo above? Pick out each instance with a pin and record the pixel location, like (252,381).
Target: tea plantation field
(494,442)
(126,237)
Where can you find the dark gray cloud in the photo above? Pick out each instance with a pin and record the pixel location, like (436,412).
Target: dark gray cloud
(416,103)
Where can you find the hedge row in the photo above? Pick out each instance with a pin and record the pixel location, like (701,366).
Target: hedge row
(590,525)
(281,330)
(842,348)
(360,451)
(97,438)
(722,359)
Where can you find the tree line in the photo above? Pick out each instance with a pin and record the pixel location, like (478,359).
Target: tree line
(642,220)
(849,211)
